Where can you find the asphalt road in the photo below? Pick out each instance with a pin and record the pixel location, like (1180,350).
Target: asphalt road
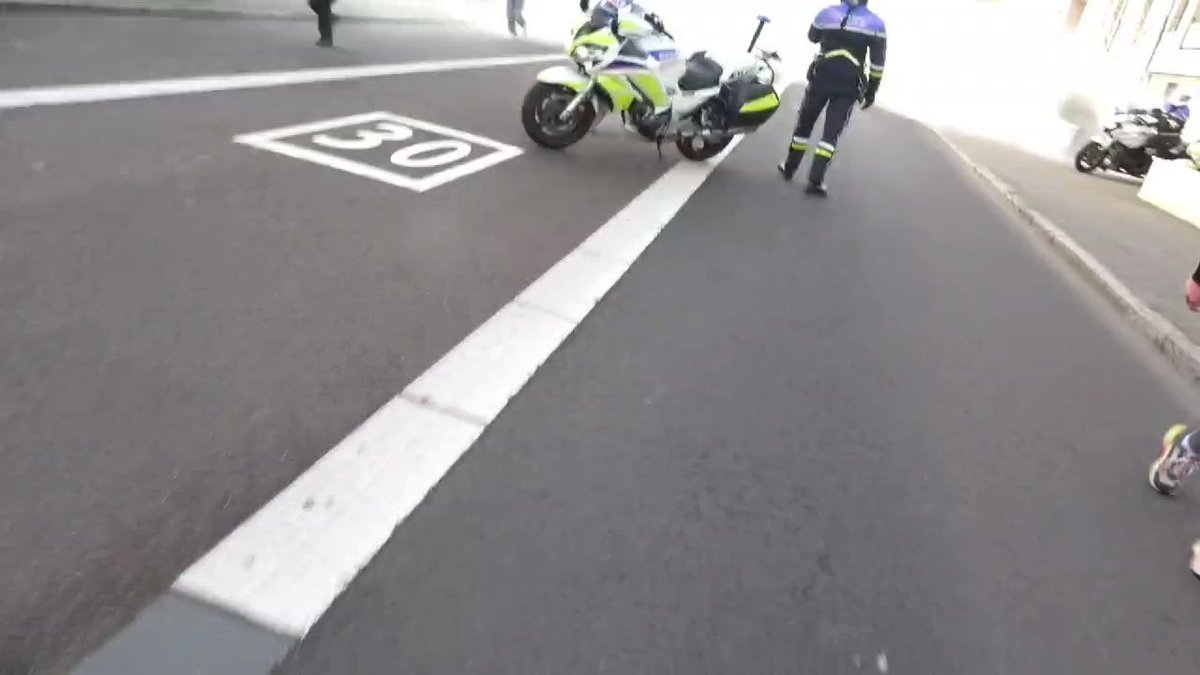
(187,323)
(42,48)
(808,436)
(798,435)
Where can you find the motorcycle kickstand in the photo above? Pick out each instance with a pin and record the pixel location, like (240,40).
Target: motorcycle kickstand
(658,141)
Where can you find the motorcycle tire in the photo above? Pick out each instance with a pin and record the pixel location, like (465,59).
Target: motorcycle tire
(708,150)
(534,108)
(1089,158)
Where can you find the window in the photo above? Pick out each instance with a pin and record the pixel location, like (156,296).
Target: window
(1114,21)
(1176,15)
(1191,38)
(1075,13)
(1141,25)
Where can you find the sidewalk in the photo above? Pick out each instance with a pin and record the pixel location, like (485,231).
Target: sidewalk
(1147,250)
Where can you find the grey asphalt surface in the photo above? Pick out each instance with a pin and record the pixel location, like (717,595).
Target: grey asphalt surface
(801,434)
(187,324)
(42,48)
(1147,248)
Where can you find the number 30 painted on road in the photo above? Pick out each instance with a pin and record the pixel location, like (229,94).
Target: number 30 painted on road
(448,151)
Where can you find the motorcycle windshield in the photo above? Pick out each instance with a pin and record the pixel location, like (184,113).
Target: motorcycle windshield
(610,8)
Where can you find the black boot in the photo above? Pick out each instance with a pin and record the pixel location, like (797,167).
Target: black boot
(816,176)
(788,167)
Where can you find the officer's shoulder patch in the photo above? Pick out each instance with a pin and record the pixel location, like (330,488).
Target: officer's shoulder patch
(876,24)
(866,22)
(830,17)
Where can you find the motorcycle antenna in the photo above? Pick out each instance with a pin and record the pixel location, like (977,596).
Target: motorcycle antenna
(762,21)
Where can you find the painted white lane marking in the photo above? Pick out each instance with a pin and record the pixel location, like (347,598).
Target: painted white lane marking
(287,563)
(403,157)
(119,91)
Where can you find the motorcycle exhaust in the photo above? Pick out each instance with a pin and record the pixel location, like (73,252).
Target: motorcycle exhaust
(709,135)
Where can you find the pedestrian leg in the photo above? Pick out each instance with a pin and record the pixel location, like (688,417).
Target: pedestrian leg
(324,11)
(806,120)
(515,18)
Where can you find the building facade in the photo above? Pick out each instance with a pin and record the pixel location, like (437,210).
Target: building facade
(1151,46)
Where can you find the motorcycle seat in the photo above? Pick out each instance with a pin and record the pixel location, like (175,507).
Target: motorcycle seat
(702,73)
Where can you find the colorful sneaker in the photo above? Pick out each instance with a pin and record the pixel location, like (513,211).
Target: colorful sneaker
(1196,558)
(1172,466)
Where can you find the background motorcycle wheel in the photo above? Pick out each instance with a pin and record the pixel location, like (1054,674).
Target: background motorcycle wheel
(706,150)
(539,115)
(1089,158)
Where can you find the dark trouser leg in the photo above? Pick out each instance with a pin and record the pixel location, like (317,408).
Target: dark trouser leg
(324,12)
(806,120)
(515,17)
(837,116)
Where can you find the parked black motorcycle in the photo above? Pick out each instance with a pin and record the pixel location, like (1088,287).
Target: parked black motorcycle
(1131,142)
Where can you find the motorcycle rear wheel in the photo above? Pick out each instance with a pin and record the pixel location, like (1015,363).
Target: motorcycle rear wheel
(1089,158)
(706,150)
(540,116)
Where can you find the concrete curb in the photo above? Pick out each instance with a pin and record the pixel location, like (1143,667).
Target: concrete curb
(1180,351)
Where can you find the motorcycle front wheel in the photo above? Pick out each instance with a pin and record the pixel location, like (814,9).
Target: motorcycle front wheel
(541,114)
(699,149)
(1089,158)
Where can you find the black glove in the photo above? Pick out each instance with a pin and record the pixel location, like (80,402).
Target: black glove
(583,5)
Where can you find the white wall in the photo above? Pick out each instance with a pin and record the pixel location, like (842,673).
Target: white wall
(1172,56)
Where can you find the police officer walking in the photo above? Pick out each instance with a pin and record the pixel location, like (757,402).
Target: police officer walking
(846,33)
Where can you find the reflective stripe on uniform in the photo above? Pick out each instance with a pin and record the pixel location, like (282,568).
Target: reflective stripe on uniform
(825,149)
(876,71)
(844,53)
(799,143)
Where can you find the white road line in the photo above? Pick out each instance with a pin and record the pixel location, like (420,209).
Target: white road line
(119,91)
(285,565)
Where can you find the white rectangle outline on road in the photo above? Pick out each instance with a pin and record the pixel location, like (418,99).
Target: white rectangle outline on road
(287,563)
(270,141)
(121,91)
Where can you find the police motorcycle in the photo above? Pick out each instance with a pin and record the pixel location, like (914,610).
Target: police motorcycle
(1130,143)
(628,62)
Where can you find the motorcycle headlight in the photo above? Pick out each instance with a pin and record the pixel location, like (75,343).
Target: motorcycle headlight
(587,55)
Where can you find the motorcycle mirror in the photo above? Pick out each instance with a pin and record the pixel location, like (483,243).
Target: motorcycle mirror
(762,21)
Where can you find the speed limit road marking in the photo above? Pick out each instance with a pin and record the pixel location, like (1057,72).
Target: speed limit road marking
(397,150)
